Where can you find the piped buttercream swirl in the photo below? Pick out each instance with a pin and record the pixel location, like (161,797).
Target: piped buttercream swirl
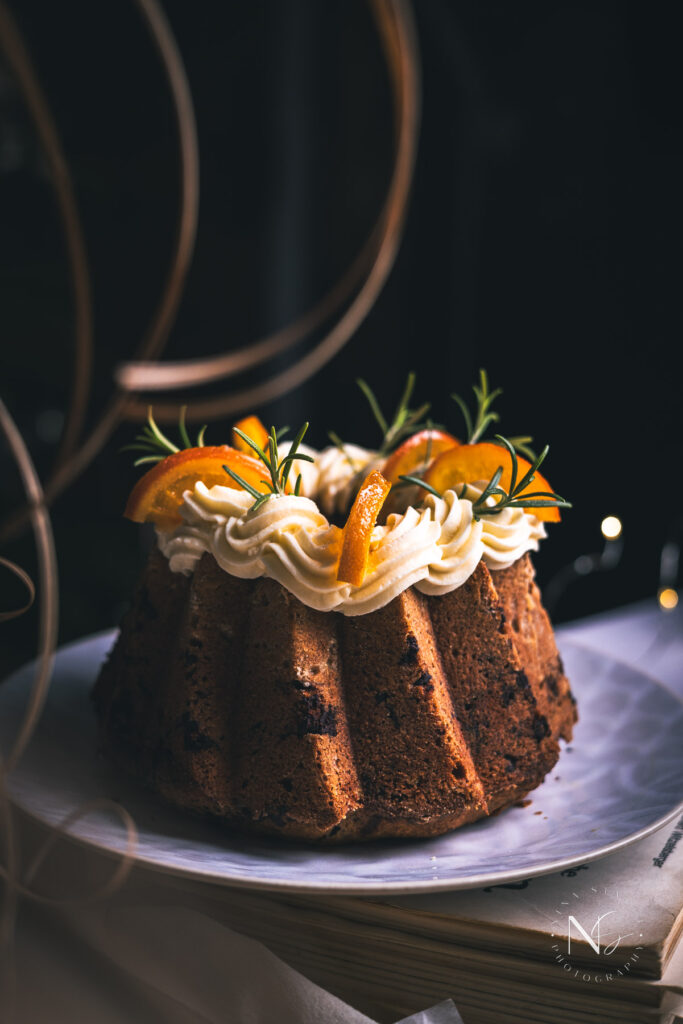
(435,547)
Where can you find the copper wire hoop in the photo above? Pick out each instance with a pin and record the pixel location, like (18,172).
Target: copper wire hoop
(396,27)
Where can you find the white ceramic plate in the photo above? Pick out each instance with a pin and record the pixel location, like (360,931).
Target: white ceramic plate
(620,779)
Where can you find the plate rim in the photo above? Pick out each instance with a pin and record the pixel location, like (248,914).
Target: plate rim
(353,888)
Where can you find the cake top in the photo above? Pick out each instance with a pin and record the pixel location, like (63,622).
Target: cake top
(260,506)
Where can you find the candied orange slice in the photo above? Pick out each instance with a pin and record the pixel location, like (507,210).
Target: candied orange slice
(470,462)
(417,450)
(355,552)
(253,428)
(158,495)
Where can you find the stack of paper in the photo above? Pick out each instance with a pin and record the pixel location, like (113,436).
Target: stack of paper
(596,943)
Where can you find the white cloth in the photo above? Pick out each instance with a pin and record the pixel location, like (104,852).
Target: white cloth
(118,963)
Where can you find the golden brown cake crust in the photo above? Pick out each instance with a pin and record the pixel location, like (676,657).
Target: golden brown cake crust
(231,698)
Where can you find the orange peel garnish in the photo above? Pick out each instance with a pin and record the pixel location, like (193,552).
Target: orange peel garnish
(253,428)
(158,495)
(355,552)
(424,446)
(470,462)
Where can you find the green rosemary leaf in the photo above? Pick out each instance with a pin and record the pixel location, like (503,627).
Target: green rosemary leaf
(542,494)
(182,428)
(402,408)
(418,482)
(281,431)
(261,500)
(297,486)
(521,446)
(405,420)
(513,456)
(539,503)
(243,483)
(292,456)
(299,437)
(412,419)
(374,405)
(530,475)
(200,436)
(148,458)
(484,417)
(252,444)
(296,457)
(491,486)
(164,442)
(272,460)
(466,415)
(138,446)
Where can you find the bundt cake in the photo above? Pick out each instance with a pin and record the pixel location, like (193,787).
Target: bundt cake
(256,681)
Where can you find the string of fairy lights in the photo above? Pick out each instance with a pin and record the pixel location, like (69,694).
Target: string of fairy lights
(612,531)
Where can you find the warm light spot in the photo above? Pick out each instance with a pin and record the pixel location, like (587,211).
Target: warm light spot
(668,598)
(611,527)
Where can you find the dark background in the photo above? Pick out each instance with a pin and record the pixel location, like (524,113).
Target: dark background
(543,243)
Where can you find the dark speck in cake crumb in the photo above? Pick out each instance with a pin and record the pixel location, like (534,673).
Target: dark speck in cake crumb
(524,803)
(507,696)
(278,815)
(193,738)
(522,680)
(316,717)
(409,656)
(425,681)
(551,681)
(383,698)
(540,727)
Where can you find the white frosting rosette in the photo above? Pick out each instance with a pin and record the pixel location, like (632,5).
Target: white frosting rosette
(435,547)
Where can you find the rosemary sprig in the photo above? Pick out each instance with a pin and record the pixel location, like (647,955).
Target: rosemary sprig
(278,469)
(405,420)
(404,480)
(512,498)
(484,417)
(155,445)
(521,445)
